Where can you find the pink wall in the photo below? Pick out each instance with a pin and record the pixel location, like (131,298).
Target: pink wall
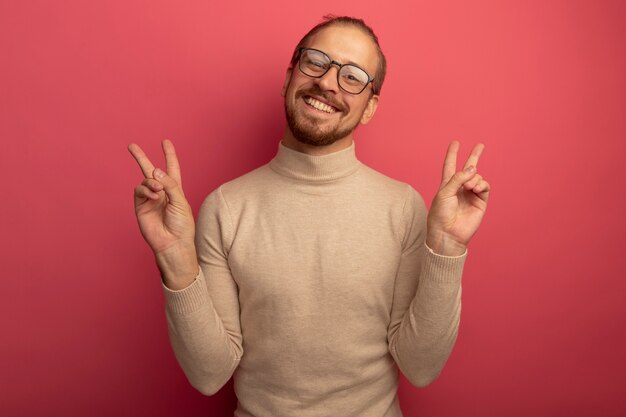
(541,83)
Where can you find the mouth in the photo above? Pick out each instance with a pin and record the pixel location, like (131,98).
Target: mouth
(316,104)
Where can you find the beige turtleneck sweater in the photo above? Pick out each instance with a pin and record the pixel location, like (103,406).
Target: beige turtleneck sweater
(315,283)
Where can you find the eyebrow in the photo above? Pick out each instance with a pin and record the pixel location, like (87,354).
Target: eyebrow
(343,62)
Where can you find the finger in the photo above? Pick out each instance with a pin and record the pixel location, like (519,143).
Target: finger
(170,186)
(472,160)
(471,183)
(456,182)
(142,192)
(449,163)
(144,163)
(482,190)
(171,161)
(152,184)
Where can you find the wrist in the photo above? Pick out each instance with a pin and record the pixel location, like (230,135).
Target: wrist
(444,245)
(178,265)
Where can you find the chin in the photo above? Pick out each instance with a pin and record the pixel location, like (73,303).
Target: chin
(309,135)
(314,140)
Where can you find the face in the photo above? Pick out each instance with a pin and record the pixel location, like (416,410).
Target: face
(320,113)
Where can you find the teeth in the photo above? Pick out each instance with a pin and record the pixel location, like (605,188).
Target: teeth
(319,105)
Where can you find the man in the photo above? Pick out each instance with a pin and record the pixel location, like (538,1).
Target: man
(302,276)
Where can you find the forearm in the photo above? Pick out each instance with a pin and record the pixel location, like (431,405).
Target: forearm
(205,350)
(423,341)
(178,265)
(443,245)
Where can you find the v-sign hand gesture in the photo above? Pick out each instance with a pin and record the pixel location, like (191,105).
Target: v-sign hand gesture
(459,206)
(165,217)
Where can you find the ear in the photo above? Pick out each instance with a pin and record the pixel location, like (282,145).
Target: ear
(370,109)
(287,79)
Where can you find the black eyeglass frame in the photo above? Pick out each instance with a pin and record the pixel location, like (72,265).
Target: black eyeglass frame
(333,62)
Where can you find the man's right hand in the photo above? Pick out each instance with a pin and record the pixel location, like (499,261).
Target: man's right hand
(165,218)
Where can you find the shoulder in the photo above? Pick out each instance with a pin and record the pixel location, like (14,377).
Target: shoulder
(391,188)
(236,191)
(248,183)
(243,184)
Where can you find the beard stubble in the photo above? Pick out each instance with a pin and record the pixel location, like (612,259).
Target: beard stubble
(305,130)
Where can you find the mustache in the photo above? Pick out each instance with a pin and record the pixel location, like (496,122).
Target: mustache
(319,93)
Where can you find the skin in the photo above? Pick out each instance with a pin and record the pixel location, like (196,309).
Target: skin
(460,204)
(344,44)
(165,217)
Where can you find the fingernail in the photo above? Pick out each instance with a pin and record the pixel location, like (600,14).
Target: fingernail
(469,169)
(158,174)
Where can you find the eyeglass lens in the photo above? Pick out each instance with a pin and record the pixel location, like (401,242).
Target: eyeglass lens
(316,63)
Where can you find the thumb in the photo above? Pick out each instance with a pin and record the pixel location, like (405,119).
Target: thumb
(452,187)
(170,186)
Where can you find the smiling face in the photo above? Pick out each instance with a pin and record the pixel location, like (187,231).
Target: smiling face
(318,111)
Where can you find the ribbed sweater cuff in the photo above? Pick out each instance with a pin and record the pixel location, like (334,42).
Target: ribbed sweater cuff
(189,299)
(443,269)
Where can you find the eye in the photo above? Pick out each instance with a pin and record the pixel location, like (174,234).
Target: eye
(353,75)
(319,64)
(314,62)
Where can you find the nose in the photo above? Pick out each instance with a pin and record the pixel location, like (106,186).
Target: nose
(329,81)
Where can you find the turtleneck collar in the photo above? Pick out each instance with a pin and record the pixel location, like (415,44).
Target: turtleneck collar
(304,167)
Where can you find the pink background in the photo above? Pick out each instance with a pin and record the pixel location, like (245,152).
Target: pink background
(541,83)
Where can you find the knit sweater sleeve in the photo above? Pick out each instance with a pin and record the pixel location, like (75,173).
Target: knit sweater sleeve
(203,319)
(426,307)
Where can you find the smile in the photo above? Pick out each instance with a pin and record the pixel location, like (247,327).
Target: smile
(319,105)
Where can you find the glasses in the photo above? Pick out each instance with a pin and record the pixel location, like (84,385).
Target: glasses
(350,78)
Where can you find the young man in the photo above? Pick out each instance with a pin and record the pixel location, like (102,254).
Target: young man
(314,278)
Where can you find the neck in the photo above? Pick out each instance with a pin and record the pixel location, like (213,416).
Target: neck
(291,142)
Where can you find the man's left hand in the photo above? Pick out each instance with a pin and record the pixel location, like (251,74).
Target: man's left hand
(459,206)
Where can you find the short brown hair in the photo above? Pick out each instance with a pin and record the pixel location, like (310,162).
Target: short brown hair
(330,20)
